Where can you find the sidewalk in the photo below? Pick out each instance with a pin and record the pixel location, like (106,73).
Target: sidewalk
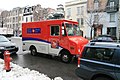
(19,73)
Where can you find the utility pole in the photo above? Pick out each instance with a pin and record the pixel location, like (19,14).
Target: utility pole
(2,22)
(118,37)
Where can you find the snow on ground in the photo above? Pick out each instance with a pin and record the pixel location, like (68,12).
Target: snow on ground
(19,73)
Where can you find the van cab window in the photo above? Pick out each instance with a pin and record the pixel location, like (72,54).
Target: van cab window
(55,30)
(102,54)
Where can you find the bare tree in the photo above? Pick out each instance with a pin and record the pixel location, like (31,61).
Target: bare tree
(93,20)
(3,18)
(40,13)
(95,10)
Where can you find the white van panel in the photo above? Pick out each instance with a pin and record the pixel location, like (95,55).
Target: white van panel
(41,47)
(54,51)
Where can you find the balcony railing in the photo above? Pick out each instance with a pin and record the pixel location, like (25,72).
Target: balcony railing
(112,9)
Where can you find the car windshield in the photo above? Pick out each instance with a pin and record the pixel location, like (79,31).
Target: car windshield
(72,29)
(3,39)
(105,38)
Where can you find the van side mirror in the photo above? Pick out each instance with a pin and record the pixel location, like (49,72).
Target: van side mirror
(64,32)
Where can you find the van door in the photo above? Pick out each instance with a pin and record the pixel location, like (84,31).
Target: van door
(64,41)
(54,47)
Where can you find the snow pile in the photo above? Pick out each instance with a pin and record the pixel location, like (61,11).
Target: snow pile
(58,78)
(19,73)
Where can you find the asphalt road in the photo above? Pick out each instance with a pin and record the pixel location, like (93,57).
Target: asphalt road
(45,64)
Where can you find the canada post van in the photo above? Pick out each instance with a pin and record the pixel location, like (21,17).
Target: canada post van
(55,37)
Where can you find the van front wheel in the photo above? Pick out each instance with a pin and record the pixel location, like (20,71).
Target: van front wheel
(66,57)
(33,51)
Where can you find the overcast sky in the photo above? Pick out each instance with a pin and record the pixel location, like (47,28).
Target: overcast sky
(10,4)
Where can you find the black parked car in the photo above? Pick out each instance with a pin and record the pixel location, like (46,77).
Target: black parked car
(104,38)
(5,44)
(100,61)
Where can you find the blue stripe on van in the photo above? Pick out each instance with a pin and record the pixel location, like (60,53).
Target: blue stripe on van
(35,39)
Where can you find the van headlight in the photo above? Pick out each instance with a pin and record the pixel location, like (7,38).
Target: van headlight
(78,50)
(2,47)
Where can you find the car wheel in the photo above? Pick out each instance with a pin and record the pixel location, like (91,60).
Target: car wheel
(66,57)
(33,51)
(102,78)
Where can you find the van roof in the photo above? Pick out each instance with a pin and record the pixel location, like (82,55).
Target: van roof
(54,20)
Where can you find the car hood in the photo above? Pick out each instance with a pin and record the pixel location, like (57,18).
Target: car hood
(4,44)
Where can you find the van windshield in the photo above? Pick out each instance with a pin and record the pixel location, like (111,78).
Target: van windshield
(72,29)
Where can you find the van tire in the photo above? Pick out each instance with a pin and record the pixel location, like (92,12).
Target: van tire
(66,57)
(33,51)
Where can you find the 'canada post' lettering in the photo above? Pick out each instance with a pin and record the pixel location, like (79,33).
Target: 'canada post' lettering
(33,30)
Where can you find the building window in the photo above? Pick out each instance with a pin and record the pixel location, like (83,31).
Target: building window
(78,10)
(82,21)
(112,17)
(13,26)
(26,19)
(16,12)
(111,31)
(82,10)
(13,19)
(22,18)
(10,26)
(112,4)
(68,12)
(16,26)
(16,19)
(96,4)
(32,9)
(96,18)
(78,20)
(31,19)
(26,10)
